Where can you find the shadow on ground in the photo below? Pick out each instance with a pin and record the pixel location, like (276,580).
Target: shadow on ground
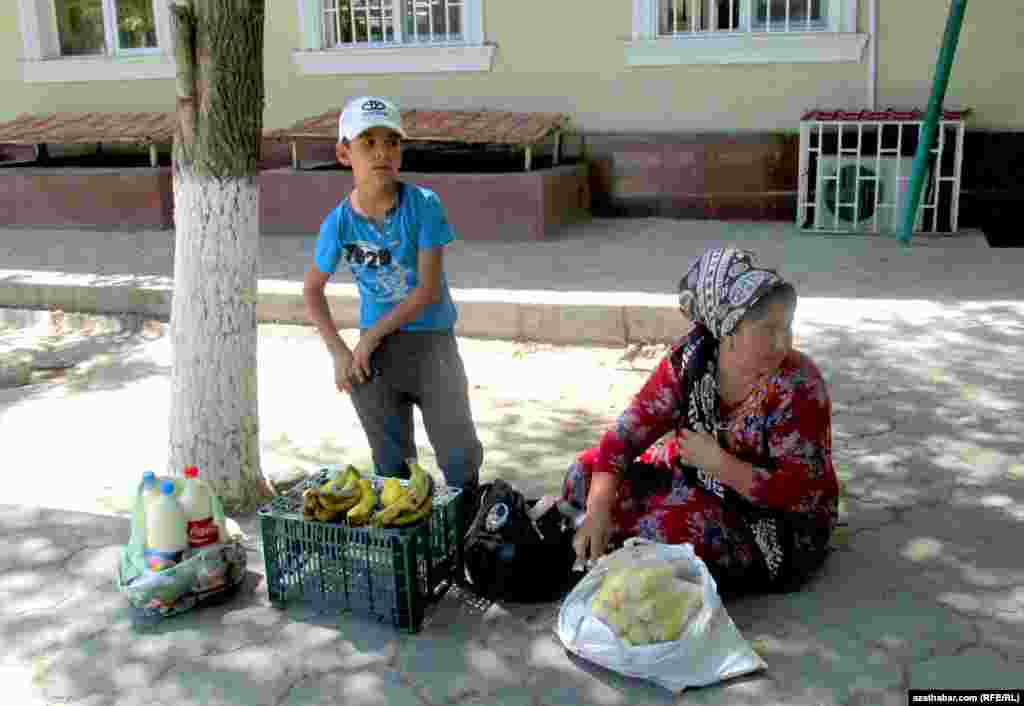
(924,589)
(75,353)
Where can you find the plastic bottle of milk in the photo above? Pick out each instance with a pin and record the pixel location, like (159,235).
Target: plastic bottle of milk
(166,538)
(197,503)
(150,490)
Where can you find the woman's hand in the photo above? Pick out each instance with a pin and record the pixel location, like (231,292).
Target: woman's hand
(591,539)
(700,449)
(360,367)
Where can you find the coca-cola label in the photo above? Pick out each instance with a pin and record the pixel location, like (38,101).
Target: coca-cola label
(202,532)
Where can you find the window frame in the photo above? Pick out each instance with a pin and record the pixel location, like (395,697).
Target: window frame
(839,42)
(42,62)
(472,53)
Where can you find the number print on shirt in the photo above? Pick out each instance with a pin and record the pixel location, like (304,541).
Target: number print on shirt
(367,256)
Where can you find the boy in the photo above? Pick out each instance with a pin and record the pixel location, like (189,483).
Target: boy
(392,237)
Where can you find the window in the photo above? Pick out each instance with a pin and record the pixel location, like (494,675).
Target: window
(790,16)
(105,26)
(89,40)
(349,22)
(743,31)
(677,17)
(392,36)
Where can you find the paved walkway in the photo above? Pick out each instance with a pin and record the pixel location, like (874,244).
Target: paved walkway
(607,281)
(921,348)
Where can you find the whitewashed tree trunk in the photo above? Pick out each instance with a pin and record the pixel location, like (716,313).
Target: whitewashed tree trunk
(214,421)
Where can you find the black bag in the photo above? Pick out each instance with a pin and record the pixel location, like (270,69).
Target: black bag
(509,556)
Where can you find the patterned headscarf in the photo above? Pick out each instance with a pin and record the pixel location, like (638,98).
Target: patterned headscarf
(721,287)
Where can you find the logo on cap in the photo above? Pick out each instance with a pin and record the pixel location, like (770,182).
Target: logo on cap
(374,106)
(496,517)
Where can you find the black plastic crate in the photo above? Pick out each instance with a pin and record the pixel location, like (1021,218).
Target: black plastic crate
(387,574)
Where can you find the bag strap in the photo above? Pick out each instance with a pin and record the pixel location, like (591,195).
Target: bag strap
(483,504)
(218,512)
(134,556)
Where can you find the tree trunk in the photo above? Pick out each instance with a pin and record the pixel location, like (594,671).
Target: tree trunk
(214,422)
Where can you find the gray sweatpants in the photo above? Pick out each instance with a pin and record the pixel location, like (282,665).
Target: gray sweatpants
(423,369)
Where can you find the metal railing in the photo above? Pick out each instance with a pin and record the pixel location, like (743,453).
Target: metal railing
(854,174)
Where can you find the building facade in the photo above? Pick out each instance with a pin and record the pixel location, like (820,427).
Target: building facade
(674,101)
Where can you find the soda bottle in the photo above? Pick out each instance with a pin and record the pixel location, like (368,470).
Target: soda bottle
(196,501)
(166,538)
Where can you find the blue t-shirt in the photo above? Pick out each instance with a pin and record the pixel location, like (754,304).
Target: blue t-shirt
(383,264)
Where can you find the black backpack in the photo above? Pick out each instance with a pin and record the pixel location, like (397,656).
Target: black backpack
(511,557)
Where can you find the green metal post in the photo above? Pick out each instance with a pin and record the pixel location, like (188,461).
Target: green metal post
(931,121)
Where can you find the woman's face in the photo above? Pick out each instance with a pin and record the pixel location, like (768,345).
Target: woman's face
(761,345)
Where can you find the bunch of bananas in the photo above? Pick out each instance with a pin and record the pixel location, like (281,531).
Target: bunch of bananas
(352,498)
(404,505)
(349,496)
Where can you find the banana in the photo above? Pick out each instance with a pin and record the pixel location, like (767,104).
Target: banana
(384,517)
(407,518)
(390,491)
(325,515)
(360,513)
(318,505)
(419,483)
(413,503)
(341,488)
(422,497)
(342,506)
(310,503)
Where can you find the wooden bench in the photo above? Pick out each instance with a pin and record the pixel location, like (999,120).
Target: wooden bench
(151,130)
(525,132)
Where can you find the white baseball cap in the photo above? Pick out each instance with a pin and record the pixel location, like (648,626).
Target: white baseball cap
(360,114)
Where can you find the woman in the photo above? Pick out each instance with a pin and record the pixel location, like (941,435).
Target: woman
(746,476)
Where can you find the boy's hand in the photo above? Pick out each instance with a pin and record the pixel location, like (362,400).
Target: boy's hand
(342,368)
(360,367)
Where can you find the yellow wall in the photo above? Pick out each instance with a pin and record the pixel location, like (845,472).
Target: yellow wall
(988,75)
(18,97)
(538,69)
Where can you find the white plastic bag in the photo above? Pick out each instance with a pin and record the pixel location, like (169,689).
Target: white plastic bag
(710,649)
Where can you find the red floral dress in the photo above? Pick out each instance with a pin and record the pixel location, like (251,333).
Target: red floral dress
(783,429)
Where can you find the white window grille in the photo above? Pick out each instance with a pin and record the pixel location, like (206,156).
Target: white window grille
(855,170)
(684,17)
(686,32)
(105,27)
(392,37)
(369,22)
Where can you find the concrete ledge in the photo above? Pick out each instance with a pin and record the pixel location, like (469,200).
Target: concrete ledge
(656,320)
(28,289)
(548,317)
(489,319)
(574,323)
